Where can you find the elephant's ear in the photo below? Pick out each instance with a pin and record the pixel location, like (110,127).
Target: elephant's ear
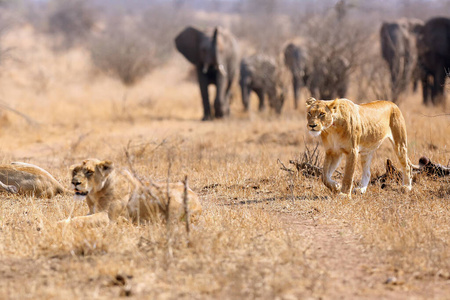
(416,28)
(220,42)
(188,43)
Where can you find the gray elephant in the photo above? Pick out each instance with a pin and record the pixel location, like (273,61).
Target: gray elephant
(263,75)
(215,55)
(296,60)
(399,50)
(434,57)
(329,77)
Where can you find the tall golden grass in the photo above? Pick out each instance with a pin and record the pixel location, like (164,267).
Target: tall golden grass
(235,249)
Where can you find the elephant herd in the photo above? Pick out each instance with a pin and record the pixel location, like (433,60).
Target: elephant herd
(417,51)
(413,49)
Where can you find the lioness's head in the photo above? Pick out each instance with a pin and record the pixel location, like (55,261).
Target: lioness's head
(319,115)
(90,176)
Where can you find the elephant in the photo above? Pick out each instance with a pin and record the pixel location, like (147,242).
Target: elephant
(263,75)
(399,50)
(434,57)
(296,60)
(329,77)
(215,54)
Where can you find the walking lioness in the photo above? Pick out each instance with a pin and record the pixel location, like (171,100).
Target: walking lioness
(111,193)
(356,130)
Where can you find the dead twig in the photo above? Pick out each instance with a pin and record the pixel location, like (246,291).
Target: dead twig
(144,187)
(167,210)
(29,120)
(186,206)
(283,167)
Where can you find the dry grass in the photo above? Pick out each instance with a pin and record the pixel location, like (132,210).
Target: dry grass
(236,250)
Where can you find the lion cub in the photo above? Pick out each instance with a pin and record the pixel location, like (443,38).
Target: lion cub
(111,193)
(356,131)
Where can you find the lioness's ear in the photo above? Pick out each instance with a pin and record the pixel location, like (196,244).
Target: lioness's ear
(105,167)
(333,105)
(310,101)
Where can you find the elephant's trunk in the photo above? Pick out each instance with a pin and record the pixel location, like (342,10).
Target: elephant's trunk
(205,68)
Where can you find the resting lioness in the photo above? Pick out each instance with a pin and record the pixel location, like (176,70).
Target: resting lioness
(28,179)
(356,130)
(111,193)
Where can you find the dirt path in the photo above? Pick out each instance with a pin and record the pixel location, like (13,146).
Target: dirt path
(353,272)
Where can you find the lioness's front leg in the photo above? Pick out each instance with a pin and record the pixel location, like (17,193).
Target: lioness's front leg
(94,220)
(347,181)
(331,162)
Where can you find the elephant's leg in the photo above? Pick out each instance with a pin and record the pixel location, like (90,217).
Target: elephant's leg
(227,102)
(220,105)
(203,82)
(262,99)
(437,93)
(296,84)
(245,89)
(425,88)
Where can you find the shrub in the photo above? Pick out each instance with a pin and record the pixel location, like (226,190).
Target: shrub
(123,53)
(70,22)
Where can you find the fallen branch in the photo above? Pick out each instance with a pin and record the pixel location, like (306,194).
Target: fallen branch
(432,169)
(29,120)
(425,167)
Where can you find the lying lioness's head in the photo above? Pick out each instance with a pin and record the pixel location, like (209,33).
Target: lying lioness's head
(90,176)
(319,115)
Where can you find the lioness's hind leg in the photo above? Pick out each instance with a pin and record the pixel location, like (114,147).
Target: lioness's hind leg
(402,154)
(398,129)
(365,164)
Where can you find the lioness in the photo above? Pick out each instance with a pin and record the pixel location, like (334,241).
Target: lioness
(356,130)
(111,193)
(29,179)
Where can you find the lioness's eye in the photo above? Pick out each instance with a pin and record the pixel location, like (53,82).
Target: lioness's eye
(321,114)
(89,173)
(309,114)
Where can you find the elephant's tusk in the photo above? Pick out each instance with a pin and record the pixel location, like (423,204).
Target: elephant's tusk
(205,68)
(222,70)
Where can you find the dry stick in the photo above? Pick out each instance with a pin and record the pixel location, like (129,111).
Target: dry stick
(168,195)
(186,206)
(29,120)
(283,167)
(146,189)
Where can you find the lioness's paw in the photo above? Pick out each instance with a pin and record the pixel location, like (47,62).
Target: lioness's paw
(344,196)
(12,189)
(359,190)
(406,188)
(336,187)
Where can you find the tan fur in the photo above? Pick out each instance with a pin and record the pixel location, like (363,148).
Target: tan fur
(30,180)
(356,131)
(112,194)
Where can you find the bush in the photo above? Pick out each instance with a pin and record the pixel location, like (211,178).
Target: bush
(131,46)
(123,53)
(70,22)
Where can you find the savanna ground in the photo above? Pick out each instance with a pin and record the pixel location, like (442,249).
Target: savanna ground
(264,232)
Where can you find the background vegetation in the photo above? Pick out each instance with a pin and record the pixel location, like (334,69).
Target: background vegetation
(112,82)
